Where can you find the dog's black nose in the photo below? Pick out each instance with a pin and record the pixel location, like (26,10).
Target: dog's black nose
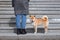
(31,21)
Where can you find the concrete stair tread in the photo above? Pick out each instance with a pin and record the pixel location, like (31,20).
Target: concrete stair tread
(44,3)
(34,6)
(5,6)
(45,12)
(33,0)
(51,21)
(30,36)
(10,28)
(12,15)
(7,27)
(32,9)
(44,0)
(5,0)
(6,9)
(30,30)
(36,12)
(40,34)
(44,9)
(29,25)
(8,34)
(44,6)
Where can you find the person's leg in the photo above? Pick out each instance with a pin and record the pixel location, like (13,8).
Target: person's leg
(23,23)
(18,21)
(18,25)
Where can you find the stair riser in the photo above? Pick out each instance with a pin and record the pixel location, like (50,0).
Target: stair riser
(12,15)
(29,30)
(28,25)
(36,12)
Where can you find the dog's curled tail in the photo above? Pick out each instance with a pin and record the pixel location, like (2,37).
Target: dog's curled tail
(45,18)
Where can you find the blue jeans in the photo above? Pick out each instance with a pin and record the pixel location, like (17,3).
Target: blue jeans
(21,21)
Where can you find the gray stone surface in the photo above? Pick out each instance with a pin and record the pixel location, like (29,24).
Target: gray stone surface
(51,8)
(29,36)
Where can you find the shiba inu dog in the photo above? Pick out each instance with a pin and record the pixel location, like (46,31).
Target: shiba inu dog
(40,21)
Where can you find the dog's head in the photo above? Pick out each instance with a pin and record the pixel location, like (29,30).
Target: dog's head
(32,17)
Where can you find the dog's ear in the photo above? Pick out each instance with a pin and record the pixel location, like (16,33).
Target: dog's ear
(34,16)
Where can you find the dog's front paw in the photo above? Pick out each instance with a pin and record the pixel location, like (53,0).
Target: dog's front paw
(45,32)
(35,32)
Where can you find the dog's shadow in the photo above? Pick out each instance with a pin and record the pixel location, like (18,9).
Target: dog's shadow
(39,30)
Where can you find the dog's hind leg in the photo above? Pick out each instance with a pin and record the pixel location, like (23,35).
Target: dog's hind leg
(46,29)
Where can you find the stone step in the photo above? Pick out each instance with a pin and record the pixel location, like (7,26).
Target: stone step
(5,3)
(30,36)
(51,21)
(41,26)
(5,6)
(7,24)
(44,6)
(6,9)
(36,12)
(32,2)
(7,12)
(33,6)
(27,25)
(5,0)
(28,20)
(29,30)
(10,16)
(42,9)
(44,0)
(38,5)
(39,37)
(45,12)
(8,36)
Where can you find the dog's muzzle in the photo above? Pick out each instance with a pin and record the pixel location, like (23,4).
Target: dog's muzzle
(31,21)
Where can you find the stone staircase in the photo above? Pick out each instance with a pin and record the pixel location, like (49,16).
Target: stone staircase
(51,8)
